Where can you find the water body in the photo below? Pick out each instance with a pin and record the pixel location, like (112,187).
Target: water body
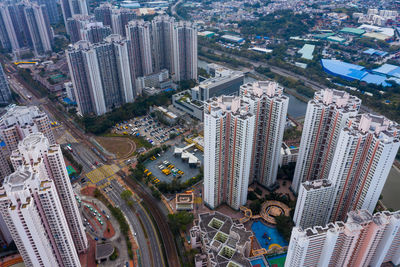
(390,192)
(297,108)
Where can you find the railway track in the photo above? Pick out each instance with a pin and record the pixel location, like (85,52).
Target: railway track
(161,221)
(78,134)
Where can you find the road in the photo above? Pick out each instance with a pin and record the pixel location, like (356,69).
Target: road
(173,9)
(283,72)
(151,253)
(150,250)
(161,220)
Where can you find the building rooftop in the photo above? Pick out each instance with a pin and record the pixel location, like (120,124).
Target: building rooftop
(21,115)
(338,98)
(32,140)
(350,72)
(103,251)
(316,184)
(185,198)
(307,51)
(219,106)
(262,88)
(354,31)
(383,128)
(225,238)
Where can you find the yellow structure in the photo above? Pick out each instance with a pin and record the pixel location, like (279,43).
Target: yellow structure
(25,62)
(256,252)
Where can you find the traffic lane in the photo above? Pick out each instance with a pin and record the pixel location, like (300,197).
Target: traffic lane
(145,257)
(133,217)
(144,252)
(87,167)
(156,253)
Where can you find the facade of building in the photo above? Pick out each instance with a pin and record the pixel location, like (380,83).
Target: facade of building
(313,203)
(25,25)
(39,28)
(158,80)
(228,141)
(95,32)
(5,93)
(4,165)
(138,33)
(269,106)
(32,211)
(102,13)
(120,18)
(75,24)
(20,121)
(185,51)
(69,88)
(222,241)
(34,150)
(10,38)
(101,74)
(183,102)
(51,9)
(365,152)
(162,35)
(326,115)
(73,7)
(364,240)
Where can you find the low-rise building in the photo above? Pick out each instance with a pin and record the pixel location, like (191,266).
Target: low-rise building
(184,102)
(166,115)
(184,201)
(159,80)
(289,154)
(222,241)
(224,81)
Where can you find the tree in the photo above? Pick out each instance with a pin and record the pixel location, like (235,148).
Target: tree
(156,193)
(255,206)
(180,221)
(126,195)
(284,225)
(252,196)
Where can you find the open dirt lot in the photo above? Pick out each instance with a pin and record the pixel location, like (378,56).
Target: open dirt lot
(122,147)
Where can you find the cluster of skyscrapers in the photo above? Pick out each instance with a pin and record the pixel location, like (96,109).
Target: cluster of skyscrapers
(104,73)
(37,204)
(25,26)
(344,161)
(242,141)
(363,240)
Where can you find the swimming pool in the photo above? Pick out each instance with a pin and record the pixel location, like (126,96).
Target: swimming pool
(267,237)
(257,263)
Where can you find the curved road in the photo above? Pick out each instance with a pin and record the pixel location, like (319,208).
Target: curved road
(168,238)
(173,9)
(151,253)
(283,72)
(149,245)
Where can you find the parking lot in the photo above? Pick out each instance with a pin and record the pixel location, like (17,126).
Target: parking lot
(157,165)
(153,131)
